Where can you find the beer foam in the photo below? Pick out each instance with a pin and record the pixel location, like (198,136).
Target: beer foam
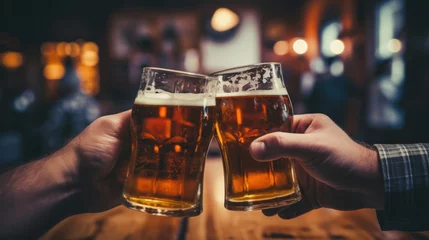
(272,92)
(261,79)
(176,99)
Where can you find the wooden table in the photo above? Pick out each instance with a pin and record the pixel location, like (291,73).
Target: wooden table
(217,223)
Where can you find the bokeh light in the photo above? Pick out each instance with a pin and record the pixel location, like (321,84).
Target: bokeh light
(281,48)
(337,47)
(89,46)
(74,49)
(300,46)
(192,60)
(337,68)
(61,48)
(394,45)
(89,58)
(224,19)
(48,49)
(12,60)
(54,71)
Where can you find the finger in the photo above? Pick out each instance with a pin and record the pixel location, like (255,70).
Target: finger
(272,211)
(123,160)
(279,144)
(295,210)
(301,123)
(123,122)
(297,143)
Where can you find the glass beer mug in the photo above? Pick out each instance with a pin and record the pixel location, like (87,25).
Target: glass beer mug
(252,101)
(171,128)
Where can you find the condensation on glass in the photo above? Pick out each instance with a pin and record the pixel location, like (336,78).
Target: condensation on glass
(252,101)
(171,129)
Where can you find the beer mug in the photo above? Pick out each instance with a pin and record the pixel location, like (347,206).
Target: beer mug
(172,125)
(252,101)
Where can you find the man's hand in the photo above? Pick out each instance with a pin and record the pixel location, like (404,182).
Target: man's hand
(80,177)
(333,170)
(102,150)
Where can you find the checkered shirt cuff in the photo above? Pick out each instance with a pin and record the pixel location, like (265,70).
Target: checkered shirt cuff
(406,186)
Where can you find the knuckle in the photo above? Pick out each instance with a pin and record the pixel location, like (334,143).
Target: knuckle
(322,117)
(104,122)
(321,120)
(278,140)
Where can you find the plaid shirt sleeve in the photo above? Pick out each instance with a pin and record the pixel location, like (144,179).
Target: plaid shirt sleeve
(406,187)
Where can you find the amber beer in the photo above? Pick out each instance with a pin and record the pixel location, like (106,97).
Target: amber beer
(243,116)
(170,140)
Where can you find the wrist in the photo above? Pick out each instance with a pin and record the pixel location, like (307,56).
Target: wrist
(374,183)
(64,166)
(68,163)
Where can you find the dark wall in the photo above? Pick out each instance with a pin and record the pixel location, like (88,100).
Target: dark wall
(416,97)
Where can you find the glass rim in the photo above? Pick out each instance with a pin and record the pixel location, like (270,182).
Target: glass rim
(190,74)
(236,69)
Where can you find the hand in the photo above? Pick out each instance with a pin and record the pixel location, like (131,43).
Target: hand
(101,151)
(80,177)
(333,170)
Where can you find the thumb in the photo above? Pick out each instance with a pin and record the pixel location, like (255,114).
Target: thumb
(279,144)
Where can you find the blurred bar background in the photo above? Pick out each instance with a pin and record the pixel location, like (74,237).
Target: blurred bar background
(65,63)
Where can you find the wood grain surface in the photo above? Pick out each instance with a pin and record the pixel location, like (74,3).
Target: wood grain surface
(217,223)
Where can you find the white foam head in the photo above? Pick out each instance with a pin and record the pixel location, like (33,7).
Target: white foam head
(176,99)
(252,80)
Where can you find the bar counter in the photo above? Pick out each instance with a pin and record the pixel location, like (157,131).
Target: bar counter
(218,223)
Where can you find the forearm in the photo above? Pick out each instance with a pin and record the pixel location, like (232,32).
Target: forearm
(35,196)
(406,187)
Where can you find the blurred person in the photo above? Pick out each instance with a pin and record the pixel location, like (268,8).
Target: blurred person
(384,112)
(336,172)
(16,104)
(78,178)
(330,95)
(73,112)
(126,72)
(142,55)
(171,53)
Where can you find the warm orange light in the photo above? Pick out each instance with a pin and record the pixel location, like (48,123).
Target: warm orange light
(224,19)
(89,46)
(89,79)
(12,60)
(177,148)
(67,49)
(61,48)
(264,110)
(54,71)
(143,184)
(280,48)
(156,149)
(86,72)
(238,115)
(74,49)
(163,112)
(89,58)
(48,49)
